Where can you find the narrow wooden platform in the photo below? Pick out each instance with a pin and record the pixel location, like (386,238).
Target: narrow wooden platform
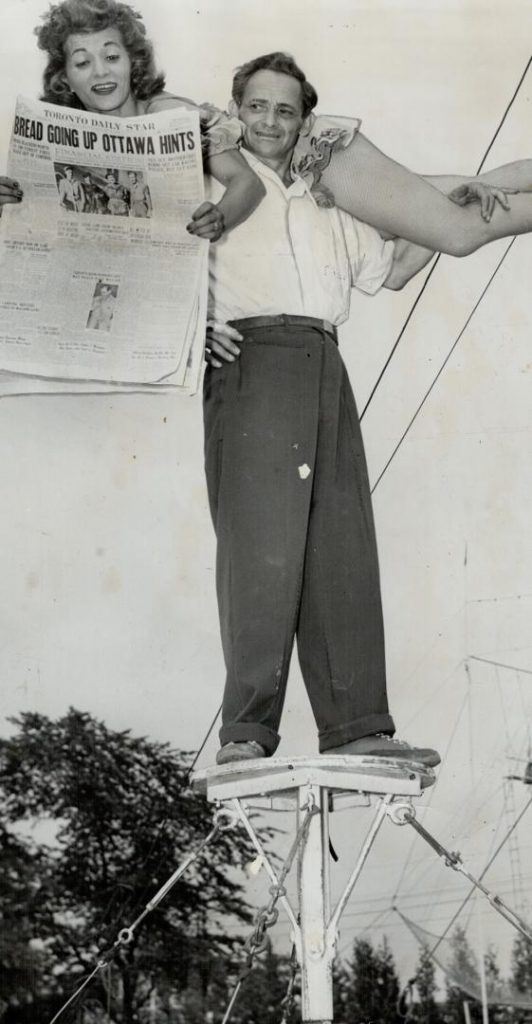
(278,776)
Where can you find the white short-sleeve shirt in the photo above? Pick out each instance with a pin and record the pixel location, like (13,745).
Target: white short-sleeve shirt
(292,256)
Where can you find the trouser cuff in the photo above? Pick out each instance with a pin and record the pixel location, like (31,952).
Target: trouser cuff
(355,730)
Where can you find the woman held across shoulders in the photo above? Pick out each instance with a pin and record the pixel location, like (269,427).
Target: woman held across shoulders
(99,59)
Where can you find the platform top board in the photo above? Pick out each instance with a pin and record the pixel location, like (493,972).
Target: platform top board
(336,773)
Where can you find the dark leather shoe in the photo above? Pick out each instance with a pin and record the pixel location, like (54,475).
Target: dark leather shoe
(247,750)
(381,745)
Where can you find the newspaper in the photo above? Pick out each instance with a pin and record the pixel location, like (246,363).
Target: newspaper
(101,286)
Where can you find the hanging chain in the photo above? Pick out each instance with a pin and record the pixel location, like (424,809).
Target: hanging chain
(287,1003)
(267,915)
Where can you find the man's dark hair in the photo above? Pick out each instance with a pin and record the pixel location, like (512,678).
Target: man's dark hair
(281,62)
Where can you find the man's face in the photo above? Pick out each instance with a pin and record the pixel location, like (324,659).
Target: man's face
(271,110)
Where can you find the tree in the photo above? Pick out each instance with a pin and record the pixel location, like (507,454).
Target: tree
(462,976)
(522,973)
(119,816)
(374,987)
(388,982)
(522,964)
(499,1014)
(426,1009)
(363,1001)
(341,987)
(20,962)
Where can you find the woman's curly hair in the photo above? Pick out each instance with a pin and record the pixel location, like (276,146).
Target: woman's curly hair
(78,16)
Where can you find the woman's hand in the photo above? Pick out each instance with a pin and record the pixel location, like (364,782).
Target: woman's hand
(478,192)
(10,192)
(207,222)
(220,344)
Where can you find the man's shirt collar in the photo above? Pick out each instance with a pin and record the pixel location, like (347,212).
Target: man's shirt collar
(298,186)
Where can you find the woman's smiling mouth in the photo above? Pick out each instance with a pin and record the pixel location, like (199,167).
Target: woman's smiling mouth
(103,89)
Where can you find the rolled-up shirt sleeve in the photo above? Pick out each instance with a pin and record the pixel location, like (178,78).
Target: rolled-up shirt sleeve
(370,257)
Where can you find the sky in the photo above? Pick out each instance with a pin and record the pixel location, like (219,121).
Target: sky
(107,580)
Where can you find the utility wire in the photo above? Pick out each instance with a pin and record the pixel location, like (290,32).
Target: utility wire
(202,747)
(398,340)
(438,257)
(500,664)
(506,112)
(442,367)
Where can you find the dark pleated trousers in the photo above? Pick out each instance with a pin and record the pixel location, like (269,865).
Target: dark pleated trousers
(296,554)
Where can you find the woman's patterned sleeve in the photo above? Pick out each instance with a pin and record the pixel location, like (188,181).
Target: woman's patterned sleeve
(219,132)
(315,148)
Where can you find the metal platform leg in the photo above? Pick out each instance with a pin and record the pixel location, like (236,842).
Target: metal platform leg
(314,904)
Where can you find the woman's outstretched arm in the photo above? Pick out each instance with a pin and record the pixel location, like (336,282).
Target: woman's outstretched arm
(376,189)
(243,189)
(243,193)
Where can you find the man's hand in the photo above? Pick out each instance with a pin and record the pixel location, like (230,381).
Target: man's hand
(10,192)
(207,222)
(220,345)
(487,195)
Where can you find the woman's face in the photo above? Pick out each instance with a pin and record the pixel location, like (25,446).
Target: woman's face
(98,70)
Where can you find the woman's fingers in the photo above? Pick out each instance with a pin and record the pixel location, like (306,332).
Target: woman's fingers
(10,191)
(493,195)
(486,195)
(487,203)
(500,195)
(207,222)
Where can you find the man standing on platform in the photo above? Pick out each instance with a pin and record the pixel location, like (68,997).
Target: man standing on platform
(286,470)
